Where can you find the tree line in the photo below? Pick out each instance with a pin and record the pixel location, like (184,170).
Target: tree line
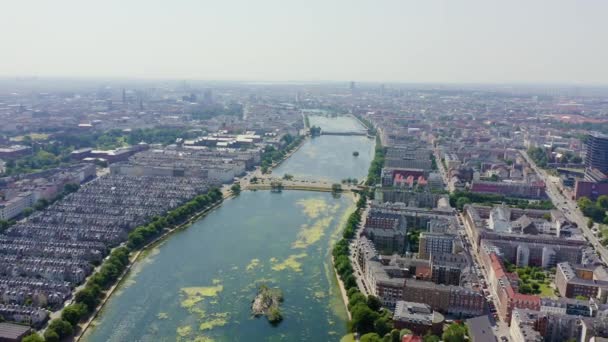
(458,199)
(271,155)
(366,311)
(375,169)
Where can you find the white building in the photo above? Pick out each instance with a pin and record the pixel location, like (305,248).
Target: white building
(15,206)
(500,219)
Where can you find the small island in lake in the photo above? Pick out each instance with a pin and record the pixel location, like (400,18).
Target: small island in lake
(267,303)
(356,153)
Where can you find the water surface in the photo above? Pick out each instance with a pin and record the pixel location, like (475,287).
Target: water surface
(330,158)
(336,124)
(199,284)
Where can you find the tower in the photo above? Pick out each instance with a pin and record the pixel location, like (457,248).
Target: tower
(596,156)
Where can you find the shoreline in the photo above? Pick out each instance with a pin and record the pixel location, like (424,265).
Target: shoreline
(343,292)
(334,238)
(136,258)
(289,154)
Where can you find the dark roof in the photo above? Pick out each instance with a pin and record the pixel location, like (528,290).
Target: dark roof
(480,329)
(13,331)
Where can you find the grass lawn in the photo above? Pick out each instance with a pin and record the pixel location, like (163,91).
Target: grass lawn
(546,291)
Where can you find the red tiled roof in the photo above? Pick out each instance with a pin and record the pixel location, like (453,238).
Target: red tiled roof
(411,338)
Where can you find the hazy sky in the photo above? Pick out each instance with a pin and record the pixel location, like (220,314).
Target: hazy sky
(377,40)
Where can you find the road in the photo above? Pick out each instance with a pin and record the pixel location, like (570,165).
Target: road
(568,207)
(499,328)
(442,171)
(362,284)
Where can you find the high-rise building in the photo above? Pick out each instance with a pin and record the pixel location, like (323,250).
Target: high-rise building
(596,156)
(435,243)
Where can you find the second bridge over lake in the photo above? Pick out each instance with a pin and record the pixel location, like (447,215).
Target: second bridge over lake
(277,184)
(361,133)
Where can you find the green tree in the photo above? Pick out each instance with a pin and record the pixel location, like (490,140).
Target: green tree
(431,338)
(382,326)
(371,337)
(27,212)
(602,202)
(33,338)
(74,313)
(4,224)
(70,187)
(235,189)
(404,332)
(461,202)
(584,202)
(315,131)
(455,333)
(395,336)
(41,204)
(51,335)
(356,298)
(374,303)
(363,319)
(63,328)
(88,297)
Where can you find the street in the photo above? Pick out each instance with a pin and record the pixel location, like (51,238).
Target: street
(568,207)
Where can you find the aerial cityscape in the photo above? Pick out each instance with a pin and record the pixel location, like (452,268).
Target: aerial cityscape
(341,171)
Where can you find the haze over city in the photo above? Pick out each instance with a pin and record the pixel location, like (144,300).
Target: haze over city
(469,41)
(343,171)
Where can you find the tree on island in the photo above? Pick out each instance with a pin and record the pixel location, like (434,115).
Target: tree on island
(267,303)
(274,315)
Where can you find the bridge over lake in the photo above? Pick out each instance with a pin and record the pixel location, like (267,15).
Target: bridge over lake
(361,133)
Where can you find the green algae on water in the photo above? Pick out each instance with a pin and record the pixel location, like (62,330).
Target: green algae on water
(309,235)
(313,207)
(290,263)
(253,264)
